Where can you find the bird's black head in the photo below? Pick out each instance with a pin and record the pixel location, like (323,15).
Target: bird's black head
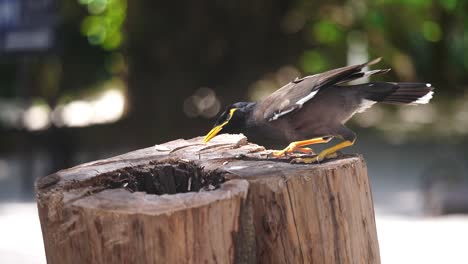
(232,120)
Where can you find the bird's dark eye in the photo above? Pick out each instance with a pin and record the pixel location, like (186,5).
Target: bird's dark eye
(225,116)
(222,118)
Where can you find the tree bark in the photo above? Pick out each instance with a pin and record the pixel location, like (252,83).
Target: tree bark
(222,202)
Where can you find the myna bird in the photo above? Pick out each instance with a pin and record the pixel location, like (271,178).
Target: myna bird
(314,109)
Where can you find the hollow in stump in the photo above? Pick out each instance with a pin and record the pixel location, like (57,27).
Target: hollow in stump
(222,202)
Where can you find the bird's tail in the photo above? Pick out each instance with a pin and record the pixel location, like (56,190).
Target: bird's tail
(398,93)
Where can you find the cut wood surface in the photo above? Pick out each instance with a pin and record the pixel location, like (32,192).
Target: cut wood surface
(221,202)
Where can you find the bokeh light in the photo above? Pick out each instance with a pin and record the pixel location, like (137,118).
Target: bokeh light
(104,25)
(77,113)
(313,61)
(36,117)
(108,107)
(203,102)
(432,31)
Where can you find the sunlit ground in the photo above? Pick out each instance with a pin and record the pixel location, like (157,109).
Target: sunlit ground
(403,239)
(423,240)
(21,239)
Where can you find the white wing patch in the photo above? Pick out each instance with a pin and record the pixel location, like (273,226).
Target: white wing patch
(365,104)
(369,73)
(282,113)
(307,98)
(297,105)
(425,99)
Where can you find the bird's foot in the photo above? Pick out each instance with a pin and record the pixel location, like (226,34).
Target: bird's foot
(321,157)
(317,159)
(291,148)
(305,151)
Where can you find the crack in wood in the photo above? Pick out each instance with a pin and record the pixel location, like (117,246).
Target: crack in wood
(294,220)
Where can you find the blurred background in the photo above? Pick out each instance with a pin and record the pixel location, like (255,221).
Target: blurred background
(82,80)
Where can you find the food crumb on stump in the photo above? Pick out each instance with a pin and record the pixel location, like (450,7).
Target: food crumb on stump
(165,178)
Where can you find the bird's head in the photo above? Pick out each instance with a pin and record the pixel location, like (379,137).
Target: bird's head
(232,120)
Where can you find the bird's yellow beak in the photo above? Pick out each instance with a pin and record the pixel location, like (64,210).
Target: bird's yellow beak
(213,132)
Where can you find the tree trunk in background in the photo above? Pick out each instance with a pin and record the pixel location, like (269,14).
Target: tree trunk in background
(222,202)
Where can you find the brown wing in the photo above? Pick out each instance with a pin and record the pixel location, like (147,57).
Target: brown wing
(293,95)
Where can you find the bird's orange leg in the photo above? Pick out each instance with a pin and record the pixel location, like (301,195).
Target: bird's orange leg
(327,153)
(297,146)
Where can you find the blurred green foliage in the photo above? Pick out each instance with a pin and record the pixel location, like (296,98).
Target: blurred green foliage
(231,45)
(420,39)
(103,25)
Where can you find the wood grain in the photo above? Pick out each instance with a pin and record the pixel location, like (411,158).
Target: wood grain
(265,211)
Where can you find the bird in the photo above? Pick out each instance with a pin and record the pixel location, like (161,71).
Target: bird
(314,109)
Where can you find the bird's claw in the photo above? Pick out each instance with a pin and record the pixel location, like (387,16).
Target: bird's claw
(304,160)
(305,151)
(328,156)
(278,153)
(317,159)
(291,149)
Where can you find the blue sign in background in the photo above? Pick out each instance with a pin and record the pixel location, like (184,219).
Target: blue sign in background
(9,14)
(27,25)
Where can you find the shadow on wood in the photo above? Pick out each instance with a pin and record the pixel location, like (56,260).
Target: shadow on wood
(222,202)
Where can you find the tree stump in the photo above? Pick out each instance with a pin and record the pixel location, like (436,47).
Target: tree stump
(221,202)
